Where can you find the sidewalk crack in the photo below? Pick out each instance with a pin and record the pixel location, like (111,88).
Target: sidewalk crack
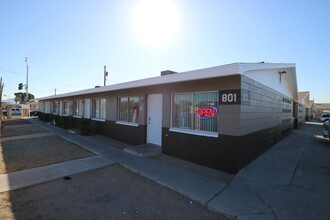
(261,199)
(309,190)
(302,155)
(215,195)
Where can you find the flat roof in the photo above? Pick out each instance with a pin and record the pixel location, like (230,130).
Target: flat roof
(211,72)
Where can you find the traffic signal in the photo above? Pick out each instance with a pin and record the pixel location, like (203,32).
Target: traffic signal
(20,86)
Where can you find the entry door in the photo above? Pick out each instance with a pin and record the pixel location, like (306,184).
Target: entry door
(154,119)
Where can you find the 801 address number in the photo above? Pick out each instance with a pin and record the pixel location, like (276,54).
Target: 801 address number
(230,97)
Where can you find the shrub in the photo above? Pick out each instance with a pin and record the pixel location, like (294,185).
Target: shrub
(51,118)
(64,122)
(41,116)
(70,122)
(84,126)
(47,117)
(57,119)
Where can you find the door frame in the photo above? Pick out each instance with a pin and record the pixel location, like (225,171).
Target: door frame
(160,113)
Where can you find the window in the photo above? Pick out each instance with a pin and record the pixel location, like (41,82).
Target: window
(65,110)
(75,108)
(98,108)
(128,109)
(55,107)
(78,108)
(81,108)
(186,105)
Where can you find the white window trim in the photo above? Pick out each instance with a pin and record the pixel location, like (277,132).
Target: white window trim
(127,123)
(98,119)
(105,108)
(190,131)
(184,93)
(78,101)
(195,132)
(134,124)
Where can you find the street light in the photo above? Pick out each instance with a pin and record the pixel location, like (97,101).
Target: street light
(27,80)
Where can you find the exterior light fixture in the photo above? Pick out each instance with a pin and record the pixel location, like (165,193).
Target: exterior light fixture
(281,73)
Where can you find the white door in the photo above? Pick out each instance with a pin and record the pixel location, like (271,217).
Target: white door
(154,119)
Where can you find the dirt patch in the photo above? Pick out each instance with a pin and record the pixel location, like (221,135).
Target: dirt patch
(108,193)
(11,131)
(23,154)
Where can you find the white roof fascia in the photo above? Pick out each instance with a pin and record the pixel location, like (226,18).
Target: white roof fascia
(212,72)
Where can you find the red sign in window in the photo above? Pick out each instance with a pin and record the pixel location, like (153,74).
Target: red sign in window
(206,112)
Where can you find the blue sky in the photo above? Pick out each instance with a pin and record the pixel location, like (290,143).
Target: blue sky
(68,42)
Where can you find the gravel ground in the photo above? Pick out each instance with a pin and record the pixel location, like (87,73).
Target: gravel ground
(23,154)
(11,131)
(112,192)
(108,193)
(16,121)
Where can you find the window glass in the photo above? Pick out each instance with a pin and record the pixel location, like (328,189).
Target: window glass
(98,108)
(55,107)
(65,108)
(185,106)
(182,110)
(81,108)
(75,108)
(123,106)
(102,108)
(128,109)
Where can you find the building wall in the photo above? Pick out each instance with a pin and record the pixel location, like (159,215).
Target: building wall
(265,109)
(301,114)
(246,129)
(247,125)
(272,79)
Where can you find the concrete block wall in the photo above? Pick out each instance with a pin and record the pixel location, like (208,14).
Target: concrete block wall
(301,114)
(229,120)
(265,108)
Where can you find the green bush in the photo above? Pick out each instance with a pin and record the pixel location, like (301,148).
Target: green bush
(70,122)
(64,122)
(47,117)
(57,119)
(51,118)
(41,116)
(84,126)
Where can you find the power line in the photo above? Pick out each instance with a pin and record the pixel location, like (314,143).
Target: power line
(9,71)
(44,80)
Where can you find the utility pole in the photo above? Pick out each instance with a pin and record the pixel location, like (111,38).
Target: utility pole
(27,80)
(1,89)
(105,75)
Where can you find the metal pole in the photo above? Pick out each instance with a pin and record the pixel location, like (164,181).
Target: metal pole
(105,75)
(27,81)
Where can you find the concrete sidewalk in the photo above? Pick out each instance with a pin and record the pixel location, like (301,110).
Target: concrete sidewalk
(29,177)
(192,185)
(290,181)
